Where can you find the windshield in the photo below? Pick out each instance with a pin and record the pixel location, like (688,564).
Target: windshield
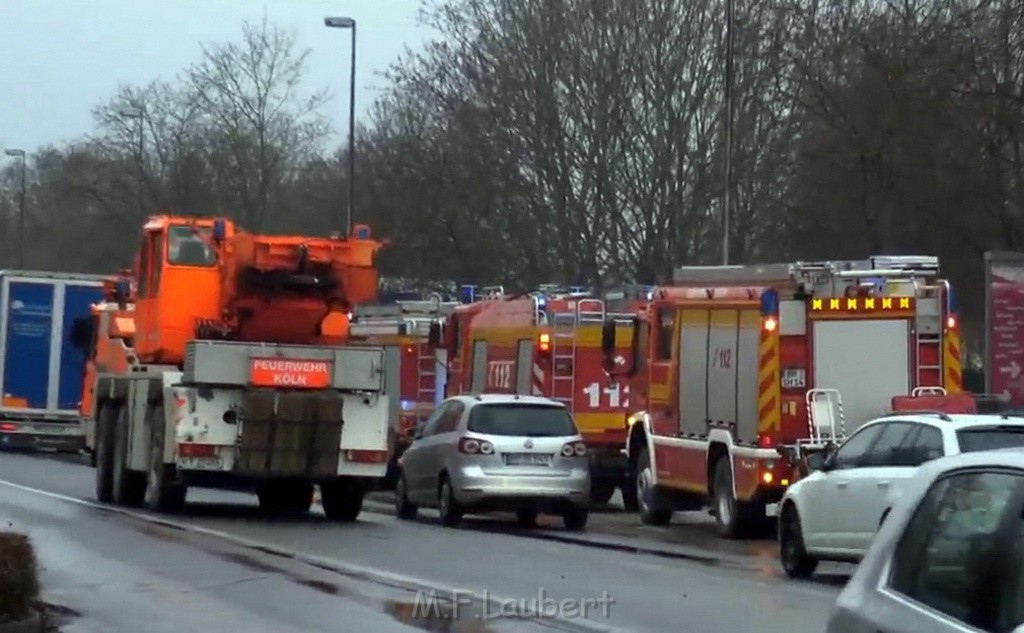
(533,420)
(187,248)
(990,438)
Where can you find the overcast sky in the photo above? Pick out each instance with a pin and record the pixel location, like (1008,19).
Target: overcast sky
(60,58)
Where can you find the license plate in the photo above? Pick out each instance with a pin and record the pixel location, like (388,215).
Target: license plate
(793,379)
(527,459)
(771,509)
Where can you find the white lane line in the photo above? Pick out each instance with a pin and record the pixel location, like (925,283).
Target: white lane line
(401,581)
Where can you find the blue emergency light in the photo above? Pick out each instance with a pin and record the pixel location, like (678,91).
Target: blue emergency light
(220,229)
(769,303)
(649,292)
(468,293)
(577,290)
(363,233)
(124,288)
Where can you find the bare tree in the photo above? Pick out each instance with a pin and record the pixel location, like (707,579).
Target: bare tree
(263,126)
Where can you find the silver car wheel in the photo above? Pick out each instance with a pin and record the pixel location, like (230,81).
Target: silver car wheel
(643,489)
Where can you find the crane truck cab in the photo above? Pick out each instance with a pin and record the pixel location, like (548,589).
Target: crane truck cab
(234,374)
(736,364)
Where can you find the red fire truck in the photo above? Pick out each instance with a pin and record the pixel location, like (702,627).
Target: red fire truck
(414,370)
(739,364)
(548,343)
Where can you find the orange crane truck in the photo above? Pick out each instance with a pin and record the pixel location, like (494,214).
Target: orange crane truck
(232,371)
(738,368)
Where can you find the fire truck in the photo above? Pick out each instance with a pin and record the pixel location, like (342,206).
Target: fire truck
(414,370)
(548,343)
(227,366)
(737,367)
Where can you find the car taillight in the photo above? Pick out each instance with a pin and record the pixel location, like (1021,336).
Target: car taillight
(470,446)
(579,449)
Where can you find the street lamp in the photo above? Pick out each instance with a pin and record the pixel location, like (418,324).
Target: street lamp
(349,23)
(140,114)
(20,153)
(727,198)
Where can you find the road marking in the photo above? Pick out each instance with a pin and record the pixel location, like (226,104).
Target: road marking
(389,579)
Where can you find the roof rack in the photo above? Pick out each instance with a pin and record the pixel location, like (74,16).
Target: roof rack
(942,415)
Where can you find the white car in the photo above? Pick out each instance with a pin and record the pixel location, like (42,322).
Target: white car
(833,513)
(949,557)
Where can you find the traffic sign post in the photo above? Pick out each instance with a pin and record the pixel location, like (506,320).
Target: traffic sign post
(1004,326)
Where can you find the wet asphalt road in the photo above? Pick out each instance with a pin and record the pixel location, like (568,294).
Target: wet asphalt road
(97,563)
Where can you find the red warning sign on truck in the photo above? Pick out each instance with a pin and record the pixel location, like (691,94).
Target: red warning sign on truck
(1004,321)
(296,374)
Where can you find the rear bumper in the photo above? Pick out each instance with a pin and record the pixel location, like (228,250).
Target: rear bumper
(476,489)
(59,437)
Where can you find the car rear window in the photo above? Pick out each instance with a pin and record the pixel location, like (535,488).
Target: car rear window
(533,420)
(990,438)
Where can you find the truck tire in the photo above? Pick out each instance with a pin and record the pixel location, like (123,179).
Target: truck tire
(628,489)
(129,486)
(285,498)
(652,507)
(342,499)
(106,417)
(735,519)
(163,493)
(601,490)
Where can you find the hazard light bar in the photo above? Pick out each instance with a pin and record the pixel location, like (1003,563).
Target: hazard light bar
(863,304)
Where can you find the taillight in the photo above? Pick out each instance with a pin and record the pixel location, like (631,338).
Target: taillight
(471,446)
(8,427)
(579,449)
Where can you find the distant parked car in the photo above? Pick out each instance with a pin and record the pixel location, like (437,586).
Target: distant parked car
(833,513)
(949,557)
(486,453)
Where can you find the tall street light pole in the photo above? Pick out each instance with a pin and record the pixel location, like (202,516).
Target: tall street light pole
(140,115)
(727,198)
(20,153)
(349,23)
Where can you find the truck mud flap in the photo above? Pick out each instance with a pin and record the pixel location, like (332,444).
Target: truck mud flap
(290,434)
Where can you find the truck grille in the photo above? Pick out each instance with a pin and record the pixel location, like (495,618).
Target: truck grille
(290,434)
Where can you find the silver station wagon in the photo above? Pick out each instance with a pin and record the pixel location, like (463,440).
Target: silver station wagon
(496,452)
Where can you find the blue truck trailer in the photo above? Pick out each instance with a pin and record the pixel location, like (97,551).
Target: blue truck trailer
(41,371)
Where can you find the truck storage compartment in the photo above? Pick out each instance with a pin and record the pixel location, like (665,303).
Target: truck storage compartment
(290,434)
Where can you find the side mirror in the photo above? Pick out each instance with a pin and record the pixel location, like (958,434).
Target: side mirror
(435,336)
(81,334)
(641,341)
(608,338)
(828,460)
(816,461)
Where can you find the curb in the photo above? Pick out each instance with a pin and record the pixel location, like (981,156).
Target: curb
(604,543)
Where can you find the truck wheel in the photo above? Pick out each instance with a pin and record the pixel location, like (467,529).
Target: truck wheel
(163,494)
(104,451)
(735,519)
(601,491)
(129,486)
(342,499)
(628,490)
(653,509)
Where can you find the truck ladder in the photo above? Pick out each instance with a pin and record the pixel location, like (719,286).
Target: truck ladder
(426,380)
(923,341)
(563,348)
(824,411)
